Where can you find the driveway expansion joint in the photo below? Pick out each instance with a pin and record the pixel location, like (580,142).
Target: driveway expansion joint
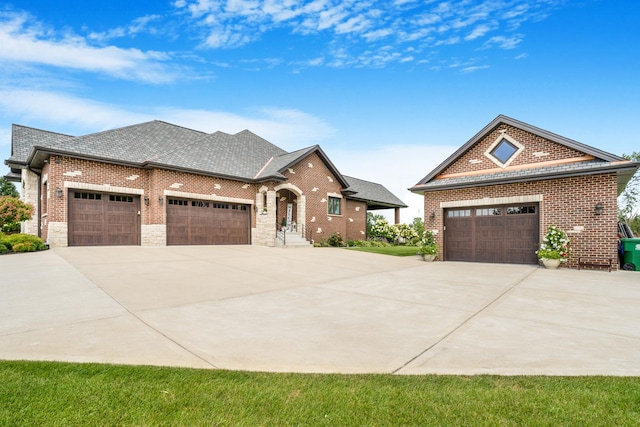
(467,320)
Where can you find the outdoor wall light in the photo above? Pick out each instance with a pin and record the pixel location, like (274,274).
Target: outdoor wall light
(160,199)
(599,208)
(432,216)
(146,200)
(58,193)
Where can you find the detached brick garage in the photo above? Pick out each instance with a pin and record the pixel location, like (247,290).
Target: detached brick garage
(494,198)
(156,184)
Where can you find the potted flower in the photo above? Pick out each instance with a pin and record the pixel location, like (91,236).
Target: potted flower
(554,248)
(428,249)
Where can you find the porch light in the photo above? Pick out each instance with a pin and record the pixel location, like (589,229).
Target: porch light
(599,209)
(58,193)
(160,199)
(146,200)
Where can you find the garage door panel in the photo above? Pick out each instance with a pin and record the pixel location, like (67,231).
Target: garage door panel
(98,219)
(194,222)
(504,234)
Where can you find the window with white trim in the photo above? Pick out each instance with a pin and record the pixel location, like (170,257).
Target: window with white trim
(334,205)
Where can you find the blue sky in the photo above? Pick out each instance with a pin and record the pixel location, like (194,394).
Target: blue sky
(388,89)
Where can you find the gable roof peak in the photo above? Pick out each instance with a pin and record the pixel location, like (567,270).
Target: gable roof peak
(503,119)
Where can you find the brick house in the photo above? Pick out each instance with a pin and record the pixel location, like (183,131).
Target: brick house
(156,184)
(493,199)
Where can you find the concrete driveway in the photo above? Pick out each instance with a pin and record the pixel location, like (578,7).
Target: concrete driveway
(315,310)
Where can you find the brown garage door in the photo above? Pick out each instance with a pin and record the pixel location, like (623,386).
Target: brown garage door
(99,219)
(503,234)
(198,222)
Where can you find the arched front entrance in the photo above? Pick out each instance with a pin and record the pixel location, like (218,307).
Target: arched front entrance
(287,209)
(291,208)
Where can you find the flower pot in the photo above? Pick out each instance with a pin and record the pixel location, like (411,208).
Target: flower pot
(428,257)
(551,263)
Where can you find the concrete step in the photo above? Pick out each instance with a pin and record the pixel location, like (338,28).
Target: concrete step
(293,240)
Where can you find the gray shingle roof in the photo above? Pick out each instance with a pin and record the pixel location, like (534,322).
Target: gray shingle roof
(278,164)
(131,144)
(24,138)
(244,156)
(241,155)
(376,195)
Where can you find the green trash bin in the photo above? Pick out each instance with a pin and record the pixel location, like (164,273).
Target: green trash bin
(631,254)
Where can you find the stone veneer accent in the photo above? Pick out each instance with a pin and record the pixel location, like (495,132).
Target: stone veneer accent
(153,235)
(58,234)
(29,194)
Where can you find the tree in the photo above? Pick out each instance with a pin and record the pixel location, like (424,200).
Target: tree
(371,220)
(12,212)
(418,225)
(7,188)
(629,200)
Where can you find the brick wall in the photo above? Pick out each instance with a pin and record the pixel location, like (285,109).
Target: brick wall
(537,149)
(317,182)
(311,176)
(65,173)
(356,215)
(568,203)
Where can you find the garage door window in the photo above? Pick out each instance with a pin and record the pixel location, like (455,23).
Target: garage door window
(488,212)
(520,210)
(88,196)
(126,199)
(459,213)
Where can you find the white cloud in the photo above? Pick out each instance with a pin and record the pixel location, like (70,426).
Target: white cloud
(138,25)
(503,42)
(24,41)
(51,109)
(358,26)
(399,168)
(479,31)
(473,68)
(287,128)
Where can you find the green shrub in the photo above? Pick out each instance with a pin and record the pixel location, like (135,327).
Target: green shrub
(335,240)
(3,248)
(12,240)
(24,247)
(11,227)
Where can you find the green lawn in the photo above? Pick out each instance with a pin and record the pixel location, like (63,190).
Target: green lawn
(389,250)
(43,393)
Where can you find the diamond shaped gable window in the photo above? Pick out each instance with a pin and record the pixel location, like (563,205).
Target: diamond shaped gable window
(504,150)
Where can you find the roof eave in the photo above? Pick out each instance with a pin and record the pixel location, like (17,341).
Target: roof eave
(421,189)
(382,205)
(39,154)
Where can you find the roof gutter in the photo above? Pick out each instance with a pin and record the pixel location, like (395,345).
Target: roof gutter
(421,189)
